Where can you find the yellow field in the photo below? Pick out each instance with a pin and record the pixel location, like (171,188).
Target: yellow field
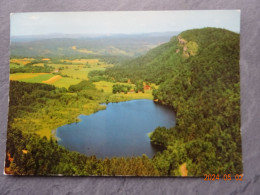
(66,82)
(23,61)
(53,79)
(76,71)
(19,76)
(108,86)
(56,80)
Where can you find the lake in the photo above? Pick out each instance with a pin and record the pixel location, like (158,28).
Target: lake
(119,130)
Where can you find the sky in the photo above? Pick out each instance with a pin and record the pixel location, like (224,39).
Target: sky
(120,22)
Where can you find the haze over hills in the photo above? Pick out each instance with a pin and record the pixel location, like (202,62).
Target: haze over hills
(87,45)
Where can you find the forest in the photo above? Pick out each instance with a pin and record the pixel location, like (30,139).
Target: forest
(198,77)
(198,74)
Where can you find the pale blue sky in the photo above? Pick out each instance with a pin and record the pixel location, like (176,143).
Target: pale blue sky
(42,23)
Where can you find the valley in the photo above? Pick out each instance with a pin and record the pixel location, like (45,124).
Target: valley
(195,75)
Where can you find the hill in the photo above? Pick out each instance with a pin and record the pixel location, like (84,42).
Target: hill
(198,73)
(84,46)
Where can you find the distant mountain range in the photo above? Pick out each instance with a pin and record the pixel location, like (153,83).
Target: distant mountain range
(87,45)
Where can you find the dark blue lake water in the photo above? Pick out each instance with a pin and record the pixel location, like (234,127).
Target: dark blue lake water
(120,130)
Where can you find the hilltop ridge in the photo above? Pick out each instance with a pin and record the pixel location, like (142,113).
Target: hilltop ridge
(198,74)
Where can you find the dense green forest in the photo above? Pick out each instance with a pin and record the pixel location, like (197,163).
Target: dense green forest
(198,73)
(198,76)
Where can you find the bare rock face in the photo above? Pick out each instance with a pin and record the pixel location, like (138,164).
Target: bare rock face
(181,40)
(189,48)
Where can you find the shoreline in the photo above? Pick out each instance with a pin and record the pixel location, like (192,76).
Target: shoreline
(70,120)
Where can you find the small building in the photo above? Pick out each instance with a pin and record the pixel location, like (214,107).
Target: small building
(147,87)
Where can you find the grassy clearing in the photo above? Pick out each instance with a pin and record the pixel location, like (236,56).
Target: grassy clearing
(105,86)
(66,82)
(108,86)
(77,71)
(38,79)
(14,65)
(119,97)
(21,76)
(130,96)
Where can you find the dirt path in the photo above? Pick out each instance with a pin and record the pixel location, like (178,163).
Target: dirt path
(184,170)
(53,79)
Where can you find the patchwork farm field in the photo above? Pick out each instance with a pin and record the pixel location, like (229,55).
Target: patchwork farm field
(23,76)
(38,79)
(53,79)
(64,74)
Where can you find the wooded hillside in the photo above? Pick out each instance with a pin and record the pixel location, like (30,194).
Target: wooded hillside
(198,73)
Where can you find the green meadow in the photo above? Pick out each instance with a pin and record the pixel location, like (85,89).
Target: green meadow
(38,79)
